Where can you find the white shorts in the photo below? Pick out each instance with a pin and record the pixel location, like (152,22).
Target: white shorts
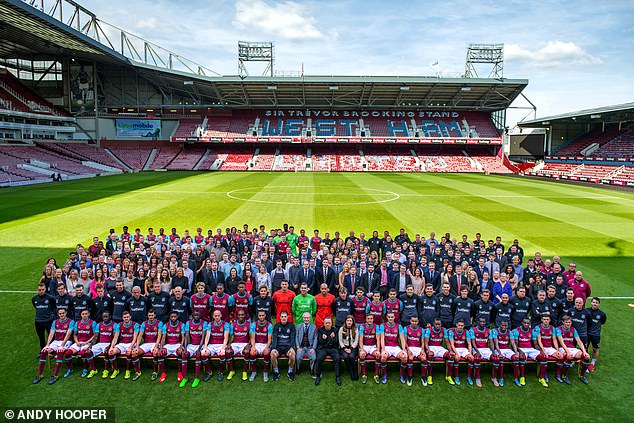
(369,349)
(572,351)
(171,349)
(123,347)
(100,348)
(192,348)
(531,353)
(550,351)
(215,350)
(438,351)
(507,353)
(415,351)
(55,345)
(147,347)
(238,347)
(463,352)
(393,351)
(259,348)
(486,353)
(79,349)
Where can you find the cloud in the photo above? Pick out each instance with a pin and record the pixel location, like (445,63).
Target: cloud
(150,23)
(287,19)
(551,54)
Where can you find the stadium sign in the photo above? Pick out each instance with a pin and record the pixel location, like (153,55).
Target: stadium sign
(138,128)
(349,140)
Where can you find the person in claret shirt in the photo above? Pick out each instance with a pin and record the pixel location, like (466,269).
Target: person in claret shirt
(315,241)
(570,273)
(580,286)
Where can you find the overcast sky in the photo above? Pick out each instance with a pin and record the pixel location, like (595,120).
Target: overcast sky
(575,54)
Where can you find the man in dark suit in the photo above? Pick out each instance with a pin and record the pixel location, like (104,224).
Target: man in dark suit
(456,281)
(307,276)
(480,268)
(213,278)
(501,259)
(352,281)
(325,274)
(294,275)
(370,280)
(401,280)
(432,276)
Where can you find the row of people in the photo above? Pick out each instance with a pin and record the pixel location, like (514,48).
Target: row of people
(369,342)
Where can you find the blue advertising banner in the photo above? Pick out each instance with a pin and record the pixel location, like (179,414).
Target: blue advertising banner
(138,128)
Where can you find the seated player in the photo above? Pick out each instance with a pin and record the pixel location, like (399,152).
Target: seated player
(434,337)
(283,343)
(573,349)
(108,333)
(217,340)
(504,350)
(261,332)
(412,342)
(460,341)
(85,335)
(240,345)
(151,332)
(370,341)
(522,342)
(128,331)
(483,350)
(391,349)
(545,338)
(194,346)
(58,341)
(173,338)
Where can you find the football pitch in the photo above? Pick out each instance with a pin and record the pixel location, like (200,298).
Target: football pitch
(591,226)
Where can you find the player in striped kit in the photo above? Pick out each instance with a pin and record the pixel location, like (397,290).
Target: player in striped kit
(108,333)
(193,345)
(58,341)
(573,349)
(151,333)
(370,346)
(545,336)
(217,340)
(484,349)
(261,334)
(412,337)
(503,349)
(85,334)
(201,301)
(240,343)
(173,338)
(460,341)
(392,348)
(128,331)
(434,337)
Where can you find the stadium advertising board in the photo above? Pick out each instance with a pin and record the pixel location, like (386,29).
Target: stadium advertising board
(140,128)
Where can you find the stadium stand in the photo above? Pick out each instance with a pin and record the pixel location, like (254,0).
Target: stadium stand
(187,158)
(597,136)
(21,98)
(164,155)
(187,126)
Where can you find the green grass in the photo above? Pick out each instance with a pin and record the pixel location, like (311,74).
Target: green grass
(590,225)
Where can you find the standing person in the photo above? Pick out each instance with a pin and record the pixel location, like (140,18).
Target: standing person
(303,303)
(327,345)
(44,308)
(597,320)
(283,300)
(348,346)
(324,301)
(580,319)
(581,287)
(283,343)
(263,302)
(306,341)
(343,307)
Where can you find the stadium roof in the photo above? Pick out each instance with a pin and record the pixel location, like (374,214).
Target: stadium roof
(32,34)
(616,113)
